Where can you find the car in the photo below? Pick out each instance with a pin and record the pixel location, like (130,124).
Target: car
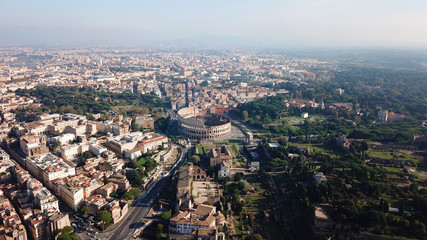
(88,234)
(96,232)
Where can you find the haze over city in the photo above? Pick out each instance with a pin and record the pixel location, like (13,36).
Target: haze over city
(213,120)
(243,23)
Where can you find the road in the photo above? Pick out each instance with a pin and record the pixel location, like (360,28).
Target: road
(138,212)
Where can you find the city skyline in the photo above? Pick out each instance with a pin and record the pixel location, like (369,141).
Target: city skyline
(283,24)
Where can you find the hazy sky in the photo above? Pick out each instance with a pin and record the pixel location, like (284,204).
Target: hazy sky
(269,23)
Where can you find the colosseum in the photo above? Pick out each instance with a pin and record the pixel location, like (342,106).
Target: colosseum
(201,125)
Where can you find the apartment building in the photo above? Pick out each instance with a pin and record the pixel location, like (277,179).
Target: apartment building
(11,224)
(188,221)
(33,145)
(48,167)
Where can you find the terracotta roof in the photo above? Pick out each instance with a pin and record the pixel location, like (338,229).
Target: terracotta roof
(204,210)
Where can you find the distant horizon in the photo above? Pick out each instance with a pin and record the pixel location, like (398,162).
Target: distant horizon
(239,23)
(217,46)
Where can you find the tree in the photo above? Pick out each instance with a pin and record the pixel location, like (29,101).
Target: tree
(136,177)
(128,196)
(238,176)
(84,210)
(87,155)
(67,233)
(113,194)
(385,206)
(135,192)
(134,127)
(159,231)
(245,114)
(56,144)
(194,159)
(204,84)
(131,194)
(307,126)
(166,215)
(105,218)
(254,237)
(243,187)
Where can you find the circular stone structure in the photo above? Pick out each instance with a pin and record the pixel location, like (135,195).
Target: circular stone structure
(197,124)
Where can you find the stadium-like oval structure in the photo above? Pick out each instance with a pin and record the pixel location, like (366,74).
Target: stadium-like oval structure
(196,124)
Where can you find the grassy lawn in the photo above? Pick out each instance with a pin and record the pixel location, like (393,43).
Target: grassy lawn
(294,128)
(229,142)
(294,120)
(233,148)
(393,169)
(252,179)
(327,149)
(379,154)
(317,117)
(203,149)
(254,202)
(393,202)
(394,155)
(199,149)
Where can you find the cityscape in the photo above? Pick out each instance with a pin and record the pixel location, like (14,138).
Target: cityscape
(192,140)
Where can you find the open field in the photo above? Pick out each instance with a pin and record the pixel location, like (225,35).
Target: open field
(393,169)
(396,154)
(295,120)
(201,149)
(323,148)
(254,201)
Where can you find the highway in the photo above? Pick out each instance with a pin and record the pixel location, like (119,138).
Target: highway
(138,212)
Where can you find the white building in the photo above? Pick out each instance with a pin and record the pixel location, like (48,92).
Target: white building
(64,138)
(133,154)
(72,195)
(72,152)
(97,149)
(125,142)
(78,130)
(224,172)
(46,201)
(152,143)
(48,167)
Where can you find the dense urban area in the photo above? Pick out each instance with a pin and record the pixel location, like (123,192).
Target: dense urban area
(132,143)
